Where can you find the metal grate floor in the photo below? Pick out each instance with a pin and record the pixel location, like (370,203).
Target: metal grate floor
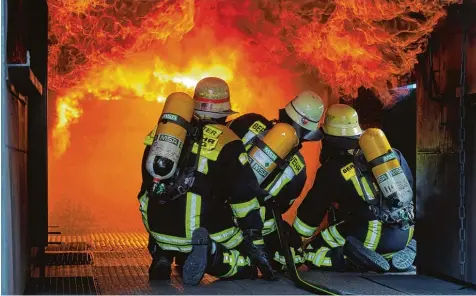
(117,263)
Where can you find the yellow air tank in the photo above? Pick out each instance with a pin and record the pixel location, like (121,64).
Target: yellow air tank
(165,151)
(277,143)
(385,166)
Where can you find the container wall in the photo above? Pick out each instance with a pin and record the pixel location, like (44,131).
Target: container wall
(438,168)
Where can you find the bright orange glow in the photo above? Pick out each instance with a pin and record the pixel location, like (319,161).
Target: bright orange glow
(139,51)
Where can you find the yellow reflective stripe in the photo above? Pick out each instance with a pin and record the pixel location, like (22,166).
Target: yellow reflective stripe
(326,262)
(182,249)
(303,228)
(242,209)
(367,187)
(248,136)
(149,139)
(143,205)
(171,240)
(388,256)
(279,258)
(328,238)
(317,257)
(192,213)
(373,235)
(258,242)
(203,165)
(243,158)
(356,184)
(335,233)
(225,234)
(280,181)
(234,260)
(234,241)
(410,234)
(262,212)
(269,227)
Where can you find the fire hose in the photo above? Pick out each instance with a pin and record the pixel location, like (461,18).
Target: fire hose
(292,271)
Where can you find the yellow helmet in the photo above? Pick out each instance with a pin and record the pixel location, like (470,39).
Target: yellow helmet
(212,98)
(306,110)
(341,121)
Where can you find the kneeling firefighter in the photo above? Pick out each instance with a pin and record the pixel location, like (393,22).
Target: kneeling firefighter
(186,186)
(273,148)
(371,184)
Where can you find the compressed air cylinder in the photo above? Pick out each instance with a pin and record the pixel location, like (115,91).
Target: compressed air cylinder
(165,151)
(385,165)
(278,142)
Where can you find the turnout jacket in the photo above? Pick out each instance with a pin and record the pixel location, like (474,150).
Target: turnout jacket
(225,187)
(290,182)
(336,182)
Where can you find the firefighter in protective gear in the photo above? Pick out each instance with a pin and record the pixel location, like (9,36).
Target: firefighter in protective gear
(338,182)
(196,227)
(285,184)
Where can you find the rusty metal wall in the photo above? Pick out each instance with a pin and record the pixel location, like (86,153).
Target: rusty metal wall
(438,125)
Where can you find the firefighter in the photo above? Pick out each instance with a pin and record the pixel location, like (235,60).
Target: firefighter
(303,113)
(338,182)
(190,223)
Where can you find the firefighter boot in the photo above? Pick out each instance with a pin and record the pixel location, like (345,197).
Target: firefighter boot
(359,255)
(160,268)
(403,260)
(196,263)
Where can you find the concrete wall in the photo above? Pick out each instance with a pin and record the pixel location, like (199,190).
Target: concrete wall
(437,154)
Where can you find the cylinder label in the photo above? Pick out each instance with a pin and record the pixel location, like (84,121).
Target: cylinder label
(167,146)
(395,181)
(260,163)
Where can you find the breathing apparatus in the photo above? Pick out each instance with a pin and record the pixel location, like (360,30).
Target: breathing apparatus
(166,160)
(393,203)
(270,151)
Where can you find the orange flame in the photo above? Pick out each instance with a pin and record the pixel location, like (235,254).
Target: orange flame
(266,50)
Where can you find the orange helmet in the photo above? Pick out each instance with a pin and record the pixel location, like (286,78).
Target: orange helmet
(212,98)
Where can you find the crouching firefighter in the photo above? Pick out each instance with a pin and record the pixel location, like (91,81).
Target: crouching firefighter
(371,184)
(273,148)
(185,186)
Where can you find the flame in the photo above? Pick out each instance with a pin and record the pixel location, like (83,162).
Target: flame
(266,50)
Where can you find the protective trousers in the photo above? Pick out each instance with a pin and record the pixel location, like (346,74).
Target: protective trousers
(325,250)
(273,248)
(223,263)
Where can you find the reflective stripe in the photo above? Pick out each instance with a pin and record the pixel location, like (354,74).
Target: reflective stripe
(269,227)
(242,209)
(296,258)
(248,137)
(258,242)
(143,205)
(388,256)
(243,158)
(234,241)
(335,233)
(166,242)
(203,165)
(373,234)
(171,240)
(225,234)
(149,139)
(303,228)
(182,249)
(280,181)
(410,234)
(192,214)
(262,212)
(328,238)
(317,258)
(234,260)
